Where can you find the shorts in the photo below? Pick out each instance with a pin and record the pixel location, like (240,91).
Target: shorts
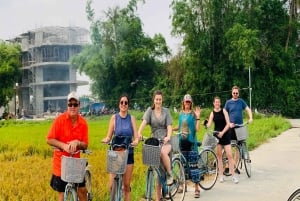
(59,185)
(130,159)
(232,134)
(226,139)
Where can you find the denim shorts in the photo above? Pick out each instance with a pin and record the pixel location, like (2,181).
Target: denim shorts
(59,185)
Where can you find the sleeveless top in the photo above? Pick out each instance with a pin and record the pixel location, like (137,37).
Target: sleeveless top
(219,120)
(187,125)
(123,127)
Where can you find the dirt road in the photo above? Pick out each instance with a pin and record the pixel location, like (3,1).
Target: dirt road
(275,172)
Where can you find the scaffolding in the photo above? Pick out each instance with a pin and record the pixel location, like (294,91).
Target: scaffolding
(47,76)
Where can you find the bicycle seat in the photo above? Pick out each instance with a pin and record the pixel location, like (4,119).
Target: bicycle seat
(199,144)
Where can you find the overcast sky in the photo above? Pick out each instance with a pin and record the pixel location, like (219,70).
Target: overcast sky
(19,16)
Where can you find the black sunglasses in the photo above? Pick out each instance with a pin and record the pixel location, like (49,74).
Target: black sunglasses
(123,102)
(235,93)
(73,104)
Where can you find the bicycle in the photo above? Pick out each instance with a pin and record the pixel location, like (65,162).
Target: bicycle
(207,161)
(157,173)
(74,171)
(117,156)
(240,151)
(295,195)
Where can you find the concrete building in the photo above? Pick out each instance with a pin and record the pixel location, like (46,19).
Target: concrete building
(47,76)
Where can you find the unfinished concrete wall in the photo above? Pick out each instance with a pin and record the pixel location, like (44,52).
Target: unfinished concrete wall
(47,77)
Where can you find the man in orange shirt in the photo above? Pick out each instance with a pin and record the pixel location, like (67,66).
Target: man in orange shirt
(69,133)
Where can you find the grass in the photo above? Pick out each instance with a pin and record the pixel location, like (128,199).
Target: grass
(26,158)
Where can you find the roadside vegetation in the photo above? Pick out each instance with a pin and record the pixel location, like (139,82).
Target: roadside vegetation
(26,158)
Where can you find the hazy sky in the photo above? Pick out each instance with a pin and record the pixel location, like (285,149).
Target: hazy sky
(19,16)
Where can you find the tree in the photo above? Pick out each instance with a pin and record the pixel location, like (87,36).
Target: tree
(121,57)
(9,70)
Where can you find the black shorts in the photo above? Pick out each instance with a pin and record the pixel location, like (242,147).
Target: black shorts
(59,185)
(232,134)
(226,139)
(130,159)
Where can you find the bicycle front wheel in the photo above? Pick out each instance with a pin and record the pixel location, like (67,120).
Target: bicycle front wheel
(295,196)
(88,184)
(177,189)
(247,160)
(70,194)
(150,185)
(208,165)
(116,189)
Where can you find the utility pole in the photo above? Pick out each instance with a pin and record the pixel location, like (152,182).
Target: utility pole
(250,89)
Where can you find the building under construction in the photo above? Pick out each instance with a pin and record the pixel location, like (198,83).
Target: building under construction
(47,76)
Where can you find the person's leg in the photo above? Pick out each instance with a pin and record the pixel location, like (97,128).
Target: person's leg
(126,182)
(82,193)
(158,191)
(231,162)
(165,150)
(60,196)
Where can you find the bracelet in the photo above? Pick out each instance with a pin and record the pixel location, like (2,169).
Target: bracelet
(197,119)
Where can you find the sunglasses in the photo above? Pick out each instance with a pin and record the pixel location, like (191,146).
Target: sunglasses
(73,104)
(187,101)
(235,93)
(123,102)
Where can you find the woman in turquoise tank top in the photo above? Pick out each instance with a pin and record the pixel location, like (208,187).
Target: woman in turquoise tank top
(188,125)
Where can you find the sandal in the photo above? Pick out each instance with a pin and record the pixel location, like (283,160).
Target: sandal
(197,194)
(180,189)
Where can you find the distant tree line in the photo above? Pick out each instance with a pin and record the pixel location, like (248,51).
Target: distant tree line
(222,42)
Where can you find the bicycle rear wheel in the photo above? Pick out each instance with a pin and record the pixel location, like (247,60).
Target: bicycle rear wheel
(150,185)
(295,196)
(247,160)
(236,158)
(70,194)
(88,184)
(177,189)
(208,165)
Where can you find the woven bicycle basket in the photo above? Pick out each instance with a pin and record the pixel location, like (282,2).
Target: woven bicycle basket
(151,155)
(73,169)
(175,143)
(241,133)
(116,161)
(209,141)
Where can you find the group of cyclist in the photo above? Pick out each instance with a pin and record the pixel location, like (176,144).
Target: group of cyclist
(69,132)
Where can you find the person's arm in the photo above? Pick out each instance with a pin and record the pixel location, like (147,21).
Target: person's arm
(227,126)
(197,115)
(110,129)
(141,128)
(135,133)
(210,119)
(249,114)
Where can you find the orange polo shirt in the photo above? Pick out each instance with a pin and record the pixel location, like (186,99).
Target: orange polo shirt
(63,131)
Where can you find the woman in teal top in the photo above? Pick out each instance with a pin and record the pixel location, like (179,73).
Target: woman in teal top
(188,125)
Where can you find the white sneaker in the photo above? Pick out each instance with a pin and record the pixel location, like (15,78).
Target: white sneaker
(169,180)
(221,179)
(235,179)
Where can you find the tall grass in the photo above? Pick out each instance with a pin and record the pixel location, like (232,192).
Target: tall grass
(25,157)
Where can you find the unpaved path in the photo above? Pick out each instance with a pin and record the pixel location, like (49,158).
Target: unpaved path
(275,172)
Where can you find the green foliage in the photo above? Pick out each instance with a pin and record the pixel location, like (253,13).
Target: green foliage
(121,57)
(9,70)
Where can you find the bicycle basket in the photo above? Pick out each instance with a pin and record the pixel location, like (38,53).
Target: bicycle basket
(209,141)
(151,155)
(175,143)
(241,133)
(72,169)
(116,161)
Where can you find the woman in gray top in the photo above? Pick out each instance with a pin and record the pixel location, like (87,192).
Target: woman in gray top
(160,121)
